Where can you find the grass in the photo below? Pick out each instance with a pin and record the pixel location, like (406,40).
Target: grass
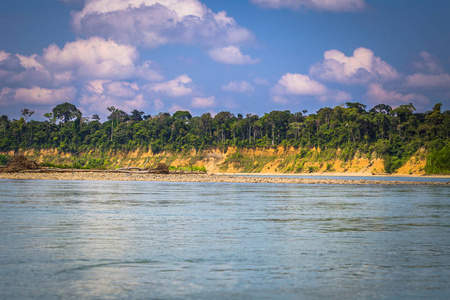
(188,168)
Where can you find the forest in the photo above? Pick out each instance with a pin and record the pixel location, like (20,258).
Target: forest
(392,134)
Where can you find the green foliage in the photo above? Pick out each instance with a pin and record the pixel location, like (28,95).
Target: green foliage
(4,159)
(438,161)
(393,134)
(58,166)
(330,168)
(188,168)
(66,112)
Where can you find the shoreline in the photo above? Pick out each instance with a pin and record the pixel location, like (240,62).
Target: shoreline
(336,174)
(219,178)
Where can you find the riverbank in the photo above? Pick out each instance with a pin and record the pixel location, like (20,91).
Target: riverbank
(252,178)
(272,160)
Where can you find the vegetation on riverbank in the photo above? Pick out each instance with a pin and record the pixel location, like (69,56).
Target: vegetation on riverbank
(343,138)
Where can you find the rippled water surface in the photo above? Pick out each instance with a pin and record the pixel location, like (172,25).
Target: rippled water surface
(147,240)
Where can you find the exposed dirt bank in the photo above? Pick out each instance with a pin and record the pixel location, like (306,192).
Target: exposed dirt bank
(111,176)
(279,160)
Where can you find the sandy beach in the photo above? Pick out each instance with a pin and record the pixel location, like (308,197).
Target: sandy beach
(229,178)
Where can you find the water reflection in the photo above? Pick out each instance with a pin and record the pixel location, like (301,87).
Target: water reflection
(212,240)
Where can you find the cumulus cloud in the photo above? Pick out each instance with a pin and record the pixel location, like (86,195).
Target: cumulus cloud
(37,95)
(178,87)
(427,63)
(420,80)
(158,104)
(302,85)
(105,69)
(26,71)
(203,102)
(97,95)
(336,96)
(298,84)
(238,87)
(430,73)
(97,58)
(231,55)
(174,108)
(72,1)
(377,94)
(79,61)
(361,68)
(152,23)
(121,89)
(260,81)
(321,5)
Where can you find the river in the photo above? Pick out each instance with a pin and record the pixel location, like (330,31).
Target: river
(162,240)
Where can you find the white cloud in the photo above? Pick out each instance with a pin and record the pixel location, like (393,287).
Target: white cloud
(430,73)
(72,1)
(23,71)
(231,55)
(302,85)
(37,95)
(174,108)
(97,95)
(30,62)
(158,104)
(94,58)
(4,55)
(152,23)
(428,63)
(377,94)
(238,87)
(298,84)
(321,5)
(121,89)
(178,87)
(203,102)
(280,99)
(148,71)
(82,60)
(260,81)
(39,78)
(420,80)
(94,73)
(361,68)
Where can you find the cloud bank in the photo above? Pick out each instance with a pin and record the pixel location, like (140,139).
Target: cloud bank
(376,94)
(361,68)
(152,23)
(231,55)
(320,5)
(238,87)
(302,85)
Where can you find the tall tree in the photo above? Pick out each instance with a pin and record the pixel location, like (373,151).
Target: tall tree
(66,112)
(26,113)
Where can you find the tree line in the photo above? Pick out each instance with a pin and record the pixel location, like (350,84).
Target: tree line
(394,134)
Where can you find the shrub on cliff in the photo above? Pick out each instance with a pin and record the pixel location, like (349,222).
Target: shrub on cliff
(438,161)
(4,159)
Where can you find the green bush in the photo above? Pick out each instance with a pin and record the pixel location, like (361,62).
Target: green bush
(438,161)
(4,159)
(95,163)
(188,168)
(330,168)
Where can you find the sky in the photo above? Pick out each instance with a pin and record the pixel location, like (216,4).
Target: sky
(243,56)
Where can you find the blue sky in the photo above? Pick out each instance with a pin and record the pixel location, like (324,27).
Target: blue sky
(243,56)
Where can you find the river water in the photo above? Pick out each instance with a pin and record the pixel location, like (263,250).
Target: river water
(157,240)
